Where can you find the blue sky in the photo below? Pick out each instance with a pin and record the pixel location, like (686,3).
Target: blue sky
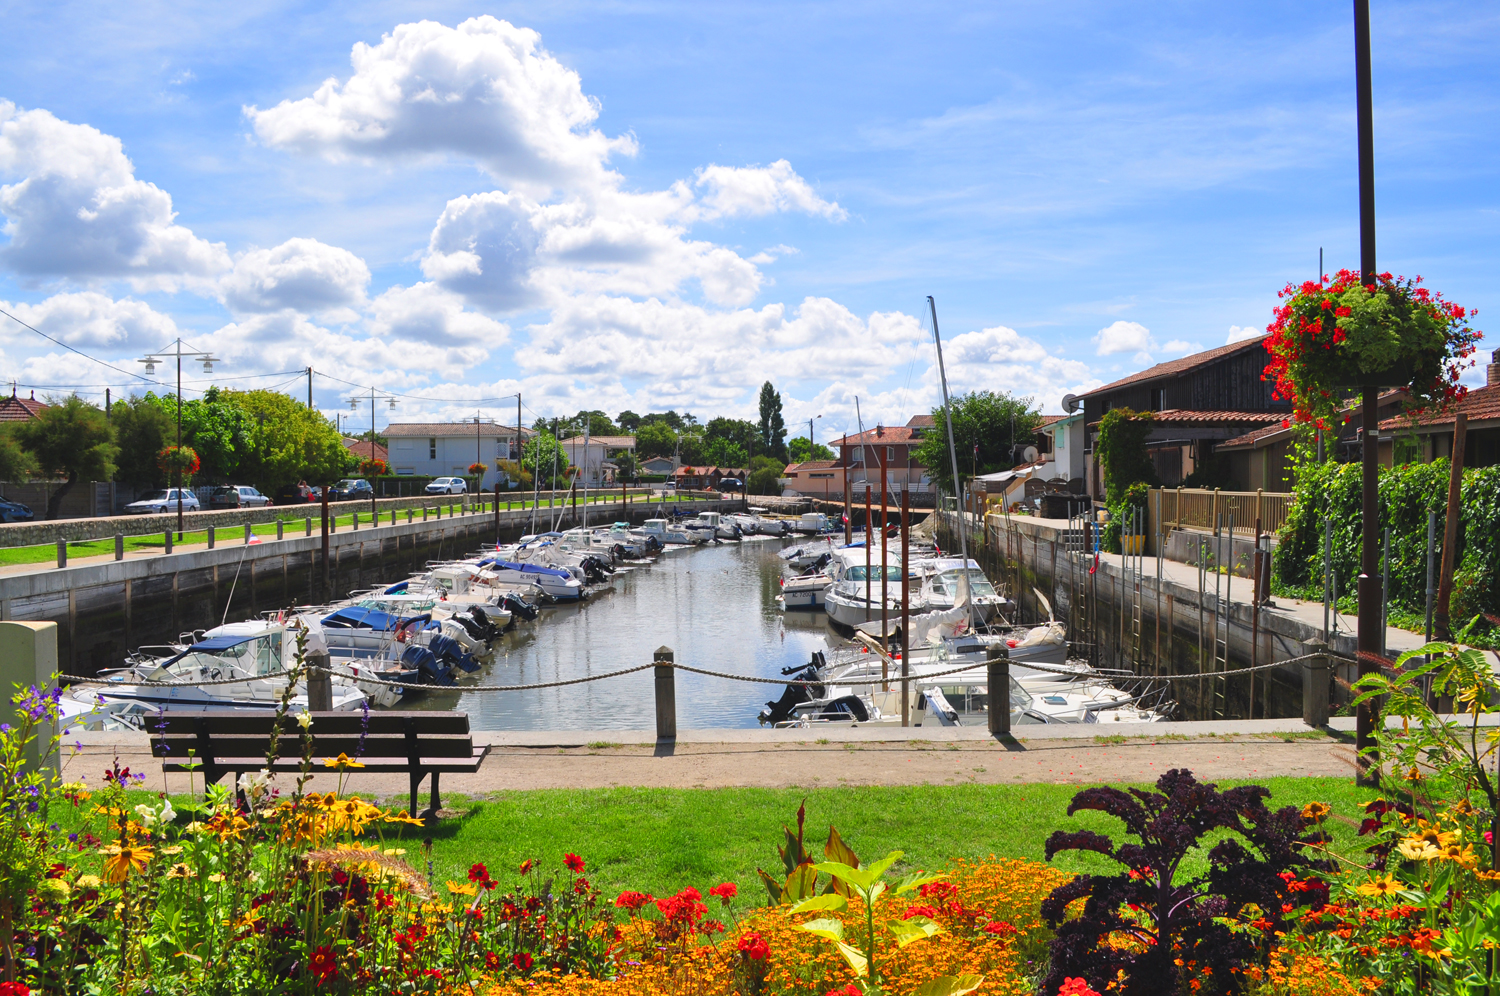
(651,205)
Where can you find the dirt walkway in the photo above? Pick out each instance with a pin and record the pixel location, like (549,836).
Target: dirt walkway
(703,765)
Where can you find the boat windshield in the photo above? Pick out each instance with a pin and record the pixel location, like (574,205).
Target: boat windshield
(261,655)
(947,583)
(858,573)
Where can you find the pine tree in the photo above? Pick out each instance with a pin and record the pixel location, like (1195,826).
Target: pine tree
(772,426)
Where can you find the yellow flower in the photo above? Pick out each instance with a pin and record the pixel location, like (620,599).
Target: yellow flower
(343,762)
(54,889)
(1386,885)
(461,888)
(173,849)
(181,870)
(1316,811)
(1433,834)
(304,720)
(1417,849)
(394,852)
(216,877)
(395,816)
(89,882)
(121,861)
(1463,855)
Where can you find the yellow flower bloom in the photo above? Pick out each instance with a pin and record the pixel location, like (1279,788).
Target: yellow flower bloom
(181,870)
(216,877)
(399,816)
(122,861)
(89,882)
(1417,849)
(1386,885)
(461,888)
(343,762)
(1316,811)
(304,720)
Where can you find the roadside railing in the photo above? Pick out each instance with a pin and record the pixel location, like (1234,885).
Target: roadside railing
(1199,508)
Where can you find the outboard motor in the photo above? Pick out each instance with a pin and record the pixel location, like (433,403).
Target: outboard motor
(449,651)
(518,607)
(483,618)
(853,705)
(432,671)
(780,710)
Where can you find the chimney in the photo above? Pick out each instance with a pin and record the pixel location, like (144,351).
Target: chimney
(1493,370)
(879,431)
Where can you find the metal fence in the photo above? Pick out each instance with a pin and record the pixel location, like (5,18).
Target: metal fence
(1197,508)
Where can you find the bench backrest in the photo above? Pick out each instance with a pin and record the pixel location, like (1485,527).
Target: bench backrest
(224,734)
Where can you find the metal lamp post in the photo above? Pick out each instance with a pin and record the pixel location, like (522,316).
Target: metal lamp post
(177,352)
(354,406)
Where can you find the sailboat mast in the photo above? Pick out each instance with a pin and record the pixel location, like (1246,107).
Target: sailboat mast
(963,545)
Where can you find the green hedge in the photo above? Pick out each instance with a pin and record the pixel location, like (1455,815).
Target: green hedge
(1407,494)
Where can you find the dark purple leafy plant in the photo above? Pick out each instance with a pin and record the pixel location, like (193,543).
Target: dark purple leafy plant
(1181,929)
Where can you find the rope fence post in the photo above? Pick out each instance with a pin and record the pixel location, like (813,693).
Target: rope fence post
(62,553)
(210,537)
(119,546)
(249,532)
(280,528)
(666,694)
(319,683)
(169,541)
(998,666)
(1315,672)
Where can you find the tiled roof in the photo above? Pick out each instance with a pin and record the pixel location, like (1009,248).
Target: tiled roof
(1186,416)
(886,435)
(1273,433)
(921,422)
(14,409)
(451,429)
(1480,403)
(792,468)
(361,449)
(1254,438)
(710,471)
(608,442)
(1049,419)
(1174,368)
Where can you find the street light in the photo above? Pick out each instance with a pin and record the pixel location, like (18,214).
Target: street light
(354,406)
(177,353)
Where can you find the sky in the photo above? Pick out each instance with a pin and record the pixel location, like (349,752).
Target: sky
(653,205)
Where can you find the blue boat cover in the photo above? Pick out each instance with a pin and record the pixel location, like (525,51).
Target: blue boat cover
(525,568)
(216,644)
(399,588)
(359,617)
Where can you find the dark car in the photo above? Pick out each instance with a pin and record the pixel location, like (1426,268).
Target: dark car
(14,511)
(296,494)
(351,488)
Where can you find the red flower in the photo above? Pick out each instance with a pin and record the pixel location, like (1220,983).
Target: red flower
(711,927)
(938,890)
(754,947)
(725,891)
(491,960)
(1000,929)
(323,964)
(926,911)
(526,866)
(848,990)
(522,961)
(1076,987)
(13,989)
(632,901)
(574,863)
(478,873)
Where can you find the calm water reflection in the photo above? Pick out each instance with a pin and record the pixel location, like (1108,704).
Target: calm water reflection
(713,606)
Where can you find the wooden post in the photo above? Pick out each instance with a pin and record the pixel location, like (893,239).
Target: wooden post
(869,513)
(1315,686)
(998,678)
(1179,506)
(666,694)
(319,683)
(210,537)
(885,638)
(168,548)
(249,532)
(280,528)
(119,546)
(62,553)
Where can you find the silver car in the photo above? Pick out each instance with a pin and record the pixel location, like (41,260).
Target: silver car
(448,486)
(161,502)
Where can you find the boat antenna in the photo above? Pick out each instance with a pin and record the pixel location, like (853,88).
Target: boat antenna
(864,447)
(963,546)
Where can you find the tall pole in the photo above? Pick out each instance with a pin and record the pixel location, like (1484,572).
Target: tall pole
(309,387)
(963,543)
(178,461)
(869,514)
(374,510)
(1370,595)
(905,611)
(885,636)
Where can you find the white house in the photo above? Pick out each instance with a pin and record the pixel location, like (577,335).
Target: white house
(591,459)
(1068,440)
(440,449)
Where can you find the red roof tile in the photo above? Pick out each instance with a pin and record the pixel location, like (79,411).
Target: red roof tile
(361,449)
(792,468)
(1480,403)
(15,409)
(1186,416)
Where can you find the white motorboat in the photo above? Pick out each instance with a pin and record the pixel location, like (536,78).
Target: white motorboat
(722,527)
(673,534)
(804,591)
(854,597)
(942,581)
(555,582)
(805,555)
(813,522)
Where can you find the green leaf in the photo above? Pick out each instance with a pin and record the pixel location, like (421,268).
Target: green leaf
(916,880)
(833,930)
(820,903)
(860,878)
(856,960)
(949,985)
(918,928)
(778,896)
(801,883)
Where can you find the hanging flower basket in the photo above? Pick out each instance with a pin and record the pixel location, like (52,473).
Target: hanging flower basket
(477,469)
(178,459)
(1394,333)
(374,468)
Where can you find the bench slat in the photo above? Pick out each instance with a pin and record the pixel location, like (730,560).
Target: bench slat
(235,745)
(467,765)
(227,721)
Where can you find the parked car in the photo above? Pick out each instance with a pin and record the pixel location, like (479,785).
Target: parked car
(296,494)
(731,484)
(237,496)
(448,486)
(159,502)
(350,488)
(14,511)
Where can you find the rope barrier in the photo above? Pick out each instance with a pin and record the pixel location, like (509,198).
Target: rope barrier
(791,682)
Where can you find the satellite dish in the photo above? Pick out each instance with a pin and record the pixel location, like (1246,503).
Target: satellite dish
(1030,454)
(1070,403)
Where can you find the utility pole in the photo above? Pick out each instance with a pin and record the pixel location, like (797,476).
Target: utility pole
(1370,595)
(177,353)
(309,387)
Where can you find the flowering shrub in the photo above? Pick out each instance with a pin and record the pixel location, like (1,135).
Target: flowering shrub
(1336,335)
(374,468)
(182,459)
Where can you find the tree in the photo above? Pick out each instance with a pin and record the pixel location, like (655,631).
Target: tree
(724,453)
(772,425)
(1121,452)
(797,450)
(735,432)
(995,423)
(16,465)
(655,439)
(142,430)
(597,423)
(628,421)
(73,440)
(626,468)
(670,418)
(284,442)
(541,454)
(218,430)
(690,449)
(765,481)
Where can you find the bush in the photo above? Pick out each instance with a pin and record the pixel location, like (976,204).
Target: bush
(765,481)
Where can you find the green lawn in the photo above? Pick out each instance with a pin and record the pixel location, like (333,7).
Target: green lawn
(294,518)
(659,840)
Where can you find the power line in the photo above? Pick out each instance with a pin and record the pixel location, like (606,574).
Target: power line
(417,397)
(86,356)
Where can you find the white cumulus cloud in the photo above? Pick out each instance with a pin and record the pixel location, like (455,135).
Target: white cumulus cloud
(89,319)
(426,313)
(1123,337)
(77,211)
(1238,333)
(485,89)
(744,191)
(1001,359)
(300,274)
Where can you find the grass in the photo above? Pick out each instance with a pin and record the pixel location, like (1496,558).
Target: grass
(294,525)
(659,840)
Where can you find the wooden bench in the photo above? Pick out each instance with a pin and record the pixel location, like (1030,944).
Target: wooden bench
(230,742)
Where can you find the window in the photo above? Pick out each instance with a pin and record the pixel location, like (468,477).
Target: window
(1407,448)
(1156,399)
(432,449)
(890,454)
